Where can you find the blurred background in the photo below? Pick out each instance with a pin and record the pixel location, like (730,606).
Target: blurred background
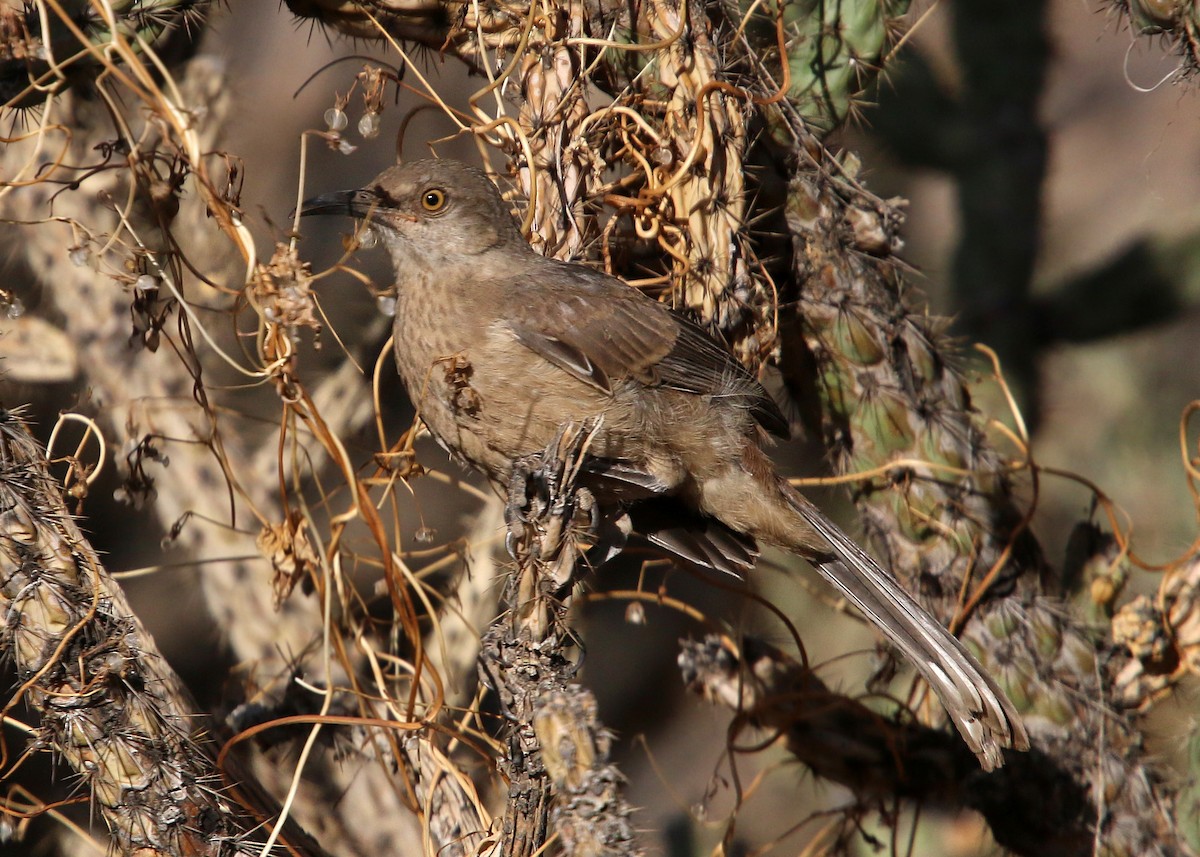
(1119,235)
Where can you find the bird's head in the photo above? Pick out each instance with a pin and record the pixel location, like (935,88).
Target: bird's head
(434,210)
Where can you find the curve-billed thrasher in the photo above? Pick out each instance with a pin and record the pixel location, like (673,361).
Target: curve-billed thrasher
(498,347)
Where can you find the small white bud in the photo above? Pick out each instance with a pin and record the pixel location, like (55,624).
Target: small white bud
(368,125)
(335,119)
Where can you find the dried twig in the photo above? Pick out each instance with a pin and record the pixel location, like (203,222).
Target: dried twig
(561,782)
(111,708)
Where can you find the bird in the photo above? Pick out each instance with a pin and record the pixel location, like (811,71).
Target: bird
(498,347)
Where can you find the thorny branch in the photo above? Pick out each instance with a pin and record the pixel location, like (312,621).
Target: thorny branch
(880,759)
(110,706)
(561,783)
(688,121)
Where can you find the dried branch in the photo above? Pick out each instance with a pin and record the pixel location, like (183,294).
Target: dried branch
(111,708)
(942,505)
(122,252)
(561,783)
(1177,24)
(705,115)
(1031,804)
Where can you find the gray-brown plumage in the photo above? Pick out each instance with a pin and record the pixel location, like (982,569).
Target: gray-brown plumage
(498,347)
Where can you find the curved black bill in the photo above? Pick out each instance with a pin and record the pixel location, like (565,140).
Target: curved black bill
(348,203)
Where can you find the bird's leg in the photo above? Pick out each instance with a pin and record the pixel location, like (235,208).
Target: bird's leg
(551,520)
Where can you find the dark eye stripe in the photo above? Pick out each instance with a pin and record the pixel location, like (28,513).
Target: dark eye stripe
(385,198)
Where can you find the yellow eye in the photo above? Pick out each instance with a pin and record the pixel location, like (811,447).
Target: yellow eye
(433,199)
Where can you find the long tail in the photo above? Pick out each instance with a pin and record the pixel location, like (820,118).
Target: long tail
(983,714)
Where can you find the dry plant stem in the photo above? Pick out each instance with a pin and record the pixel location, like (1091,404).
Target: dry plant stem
(1175,24)
(888,394)
(419,21)
(110,706)
(560,781)
(704,129)
(139,394)
(457,822)
(840,739)
(550,116)
(878,758)
(947,521)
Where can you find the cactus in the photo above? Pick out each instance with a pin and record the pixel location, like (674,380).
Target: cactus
(45,47)
(834,50)
(948,519)
(667,113)
(1177,22)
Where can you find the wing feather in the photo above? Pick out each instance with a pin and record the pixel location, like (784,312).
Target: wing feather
(604,332)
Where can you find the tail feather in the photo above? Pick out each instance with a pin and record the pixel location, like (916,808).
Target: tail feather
(980,710)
